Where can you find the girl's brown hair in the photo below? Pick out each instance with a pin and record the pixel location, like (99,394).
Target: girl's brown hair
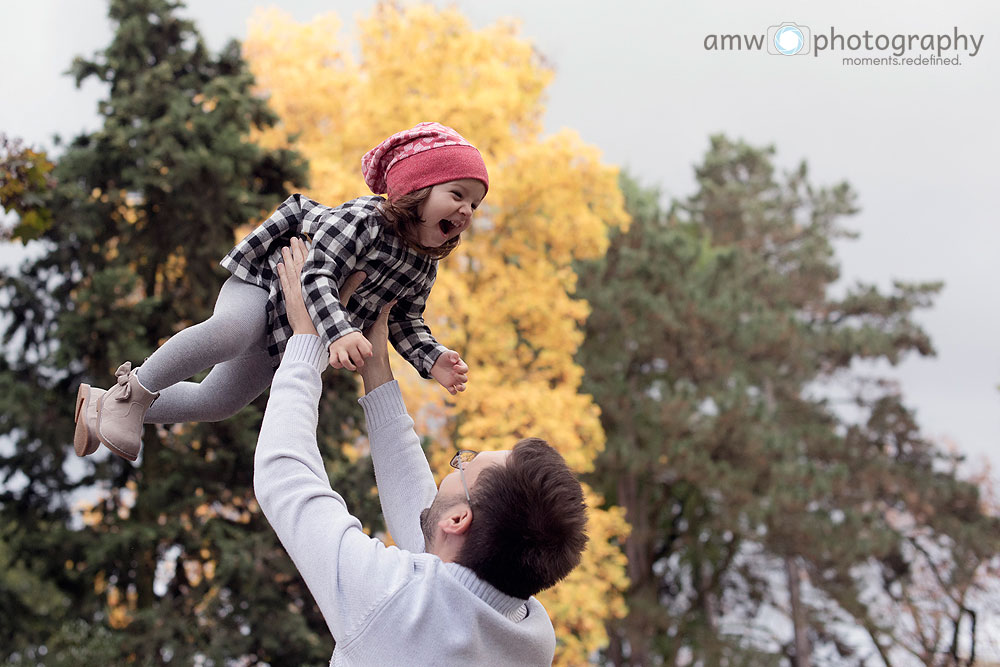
(402,217)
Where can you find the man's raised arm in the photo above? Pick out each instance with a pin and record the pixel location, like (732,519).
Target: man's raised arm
(404,479)
(346,571)
(405,483)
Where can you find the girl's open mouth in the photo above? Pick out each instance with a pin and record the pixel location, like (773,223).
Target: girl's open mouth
(446,226)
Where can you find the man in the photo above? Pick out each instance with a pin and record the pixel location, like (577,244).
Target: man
(457,589)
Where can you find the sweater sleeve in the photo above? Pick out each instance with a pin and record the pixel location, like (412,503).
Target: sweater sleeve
(405,482)
(347,572)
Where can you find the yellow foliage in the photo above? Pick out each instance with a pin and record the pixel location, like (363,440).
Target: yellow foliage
(202,606)
(591,594)
(100,583)
(91,515)
(504,299)
(193,571)
(120,610)
(172,272)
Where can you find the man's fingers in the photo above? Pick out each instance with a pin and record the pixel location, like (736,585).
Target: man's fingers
(365,347)
(285,281)
(294,256)
(383,315)
(358,357)
(350,285)
(382,320)
(345,360)
(298,250)
(282,277)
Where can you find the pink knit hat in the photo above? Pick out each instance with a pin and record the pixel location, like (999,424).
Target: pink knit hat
(427,154)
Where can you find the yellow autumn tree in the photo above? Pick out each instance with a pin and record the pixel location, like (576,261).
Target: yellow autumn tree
(504,299)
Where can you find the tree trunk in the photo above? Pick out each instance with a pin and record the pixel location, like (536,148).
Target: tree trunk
(614,652)
(799,622)
(635,625)
(707,595)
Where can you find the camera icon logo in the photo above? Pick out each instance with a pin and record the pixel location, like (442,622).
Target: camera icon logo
(788,39)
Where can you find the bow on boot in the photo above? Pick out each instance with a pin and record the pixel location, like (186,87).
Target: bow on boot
(122,375)
(119,422)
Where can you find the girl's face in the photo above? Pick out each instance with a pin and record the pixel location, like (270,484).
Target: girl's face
(447,211)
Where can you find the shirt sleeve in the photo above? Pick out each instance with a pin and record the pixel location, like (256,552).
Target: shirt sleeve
(402,474)
(341,239)
(347,572)
(411,336)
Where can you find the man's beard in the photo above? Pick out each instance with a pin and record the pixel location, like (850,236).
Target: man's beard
(430,516)
(427,526)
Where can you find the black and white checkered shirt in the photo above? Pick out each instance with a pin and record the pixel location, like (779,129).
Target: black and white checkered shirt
(351,237)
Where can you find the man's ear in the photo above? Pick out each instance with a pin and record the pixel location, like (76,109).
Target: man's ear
(457,520)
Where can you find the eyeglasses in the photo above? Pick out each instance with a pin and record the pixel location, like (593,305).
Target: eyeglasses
(458,461)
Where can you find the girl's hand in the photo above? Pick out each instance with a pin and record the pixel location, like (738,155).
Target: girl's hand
(451,372)
(349,351)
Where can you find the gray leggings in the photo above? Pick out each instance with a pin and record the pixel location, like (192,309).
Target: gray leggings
(232,342)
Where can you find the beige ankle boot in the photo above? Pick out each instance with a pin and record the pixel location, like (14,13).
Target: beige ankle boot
(121,411)
(85,440)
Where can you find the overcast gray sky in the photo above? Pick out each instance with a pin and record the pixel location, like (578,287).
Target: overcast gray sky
(919,143)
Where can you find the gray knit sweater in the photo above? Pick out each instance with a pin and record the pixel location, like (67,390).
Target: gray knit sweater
(383,605)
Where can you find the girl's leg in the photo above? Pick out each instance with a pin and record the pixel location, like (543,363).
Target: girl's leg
(229,387)
(237,325)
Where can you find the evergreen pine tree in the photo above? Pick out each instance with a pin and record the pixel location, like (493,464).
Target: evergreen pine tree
(168,558)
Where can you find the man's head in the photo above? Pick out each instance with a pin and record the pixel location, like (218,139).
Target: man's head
(526,528)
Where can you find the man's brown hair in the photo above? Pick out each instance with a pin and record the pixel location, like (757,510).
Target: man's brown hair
(402,217)
(528,521)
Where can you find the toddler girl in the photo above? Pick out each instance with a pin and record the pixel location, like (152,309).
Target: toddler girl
(433,179)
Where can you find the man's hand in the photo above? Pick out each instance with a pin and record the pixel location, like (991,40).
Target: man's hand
(289,276)
(451,372)
(377,371)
